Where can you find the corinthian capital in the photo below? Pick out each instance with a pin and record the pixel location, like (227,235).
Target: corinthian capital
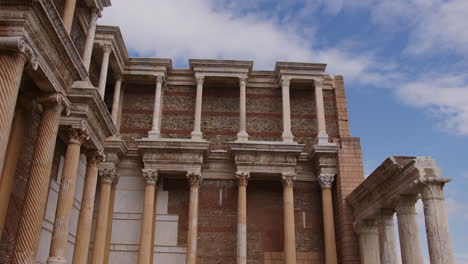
(108,175)
(76,135)
(55,100)
(19,44)
(326,179)
(160,78)
(200,79)
(95,14)
(285,80)
(106,48)
(150,176)
(288,179)
(242,177)
(243,80)
(194,178)
(318,82)
(95,157)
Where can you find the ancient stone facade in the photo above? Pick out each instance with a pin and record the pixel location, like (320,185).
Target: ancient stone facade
(107,158)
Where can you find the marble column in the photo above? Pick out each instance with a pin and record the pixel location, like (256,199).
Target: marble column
(326,182)
(107,49)
(322,136)
(437,227)
(387,240)
(85,219)
(15,54)
(58,246)
(288,215)
(35,200)
(195,180)
(7,178)
(243,178)
(408,230)
(368,241)
(242,135)
(156,127)
(110,216)
(107,176)
(286,102)
(116,99)
(145,254)
(196,133)
(89,43)
(68,14)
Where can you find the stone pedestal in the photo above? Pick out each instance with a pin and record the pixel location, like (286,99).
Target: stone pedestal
(408,230)
(145,254)
(243,178)
(368,241)
(38,184)
(387,241)
(194,179)
(58,246)
(85,219)
(288,214)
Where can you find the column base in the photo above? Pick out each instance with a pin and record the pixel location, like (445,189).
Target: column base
(322,139)
(242,136)
(287,137)
(197,135)
(154,134)
(56,261)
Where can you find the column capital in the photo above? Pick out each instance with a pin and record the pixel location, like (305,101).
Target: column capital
(318,82)
(285,80)
(160,78)
(366,226)
(194,178)
(150,176)
(288,178)
(108,175)
(95,14)
(200,79)
(326,179)
(19,44)
(406,204)
(55,100)
(243,79)
(95,157)
(76,135)
(106,48)
(118,77)
(242,177)
(433,188)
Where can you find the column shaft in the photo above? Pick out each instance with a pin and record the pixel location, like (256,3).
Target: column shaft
(322,136)
(110,219)
(329,227)
(196,133)
(146,233)
(116,100)
(408,230)
(89,43)
(242,135)
(288,225)
(11,71)
(437,227)
(35,199)
(387,240)
(7,178)
(287,134)
(368,242)
(104,69)
(192,233)
(85,219)
(156,127)
(107,176)
(68,14)
(243,178)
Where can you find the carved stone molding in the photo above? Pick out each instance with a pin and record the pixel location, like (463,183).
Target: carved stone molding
(326,179)
(108,175)
(76,135)
(19,44)
(95,157)
(288,179)
(242,178)
(194,178)
(150,176)
(55,100)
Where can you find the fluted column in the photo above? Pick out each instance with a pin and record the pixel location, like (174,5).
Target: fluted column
(58,246)
(242,135)
(156,128)
(116,99)
(326,182)
(287,134)
(89,43)
(408,230)
(322,136)
(7,178)
(437,227)
(368,241)
(196,133)
(288,214)
(15,53)
(107,176)
(35,199)
(387,240)
(243,178)
(68,14)
(85,219)
(194,179)
(145,254)
(107,49)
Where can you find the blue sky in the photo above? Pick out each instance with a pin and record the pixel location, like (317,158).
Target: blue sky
(404,62)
